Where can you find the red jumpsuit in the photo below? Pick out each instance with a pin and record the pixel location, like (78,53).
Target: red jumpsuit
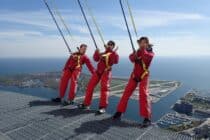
(103,74)
(72,71)
(140,74)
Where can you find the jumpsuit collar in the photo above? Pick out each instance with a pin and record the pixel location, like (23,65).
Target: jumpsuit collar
(108,50)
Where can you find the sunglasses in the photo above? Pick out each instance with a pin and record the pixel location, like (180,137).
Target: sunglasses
(110,44)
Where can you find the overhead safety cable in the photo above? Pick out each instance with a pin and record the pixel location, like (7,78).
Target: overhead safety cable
(132,18)
(57,12)
(85,18)
(56,23)
(94,21)
(126,23)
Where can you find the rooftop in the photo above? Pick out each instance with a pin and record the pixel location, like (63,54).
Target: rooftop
(24,117)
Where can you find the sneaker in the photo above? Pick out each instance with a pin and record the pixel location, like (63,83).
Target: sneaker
(57,100)
(117,116)
(147,122)
(68,102)
(84,107)
(101,111)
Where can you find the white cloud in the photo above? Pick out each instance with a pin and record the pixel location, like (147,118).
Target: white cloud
(15,45)
(149,18)
(182,46)
(19,33)
(163,18)
(143,18)
(33,43)
(35,18)
(53,46)
(42,19)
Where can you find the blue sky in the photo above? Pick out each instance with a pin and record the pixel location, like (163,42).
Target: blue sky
(176,28)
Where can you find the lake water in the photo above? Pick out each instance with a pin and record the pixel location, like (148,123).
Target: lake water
(192,72)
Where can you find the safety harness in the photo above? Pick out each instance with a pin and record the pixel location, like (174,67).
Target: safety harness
(106,56)
(78,61)
(146,70)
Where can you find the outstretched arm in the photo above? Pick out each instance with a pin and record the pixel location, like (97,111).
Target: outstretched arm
(116,58)
(133,57)
(146,56)
(89,65)
(96,55)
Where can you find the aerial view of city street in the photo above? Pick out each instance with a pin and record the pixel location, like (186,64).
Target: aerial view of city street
(191,116)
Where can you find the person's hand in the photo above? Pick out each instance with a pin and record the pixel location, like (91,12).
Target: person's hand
(78,49)
(116,49)
(135,53)
(97,50)
(137,59)
(105,46)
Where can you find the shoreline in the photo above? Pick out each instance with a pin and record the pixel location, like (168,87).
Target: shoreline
(158,88)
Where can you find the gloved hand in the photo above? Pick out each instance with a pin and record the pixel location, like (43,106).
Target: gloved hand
(115,50)
(105,46)
(137,59)
(97,50)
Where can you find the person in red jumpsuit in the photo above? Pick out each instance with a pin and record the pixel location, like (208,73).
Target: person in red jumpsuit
(103,74)
(71,71)
(141,59)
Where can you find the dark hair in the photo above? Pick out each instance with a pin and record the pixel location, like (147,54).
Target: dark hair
(111,42)
(83,45)
(145,39)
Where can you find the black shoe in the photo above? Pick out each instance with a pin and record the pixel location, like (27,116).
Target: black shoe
(101,111)
(117,116)
(57,100)
(147,122)
(71,102)
(68,102)
(84,107)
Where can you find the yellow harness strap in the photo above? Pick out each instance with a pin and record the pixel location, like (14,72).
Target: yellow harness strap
(146,71)
(106,55)
(78,61)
